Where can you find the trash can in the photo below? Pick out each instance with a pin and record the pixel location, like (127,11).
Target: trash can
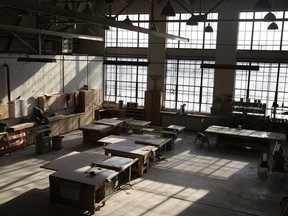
(57,142)
(43,144)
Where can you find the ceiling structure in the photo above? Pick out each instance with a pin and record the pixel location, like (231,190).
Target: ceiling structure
(39,25)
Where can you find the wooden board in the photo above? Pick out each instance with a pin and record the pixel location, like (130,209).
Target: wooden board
(21,126)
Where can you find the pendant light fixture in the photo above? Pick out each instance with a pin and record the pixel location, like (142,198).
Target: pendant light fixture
(168,10)
(127,20)
(262,5)
(273,26)
(192,21)
(208,29)
(269,17)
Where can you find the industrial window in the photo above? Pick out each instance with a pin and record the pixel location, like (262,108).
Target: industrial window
(198,39)
(125,82)
(117,37)
(269,84)
(187,83)
(254,35)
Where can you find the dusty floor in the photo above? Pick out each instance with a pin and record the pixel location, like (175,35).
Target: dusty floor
(191,181)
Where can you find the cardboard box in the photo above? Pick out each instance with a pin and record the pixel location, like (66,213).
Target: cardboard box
(4,111)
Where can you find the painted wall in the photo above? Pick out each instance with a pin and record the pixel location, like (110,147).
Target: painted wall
(32,79)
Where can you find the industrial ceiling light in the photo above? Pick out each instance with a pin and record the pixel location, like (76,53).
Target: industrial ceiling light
(273,26)
(88,10)
(196,18)
(168,10)
(208,28)
(127,20)
(262,5)
(192,21)
(269,17)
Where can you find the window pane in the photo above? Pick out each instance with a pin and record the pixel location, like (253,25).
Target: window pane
(187,83)
(197,37)
(126,82)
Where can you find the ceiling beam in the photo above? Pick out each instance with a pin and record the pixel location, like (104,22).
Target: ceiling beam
(38,7)
(48,32)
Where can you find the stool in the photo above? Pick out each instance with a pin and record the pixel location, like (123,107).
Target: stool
(202,138)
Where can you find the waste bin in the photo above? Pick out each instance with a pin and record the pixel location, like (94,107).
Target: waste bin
(57,142)
(43,144)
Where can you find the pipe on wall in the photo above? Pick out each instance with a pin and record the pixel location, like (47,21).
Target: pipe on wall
(8,82)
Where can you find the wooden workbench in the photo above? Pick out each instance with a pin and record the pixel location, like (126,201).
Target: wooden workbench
(131,150)
(93,132)
(79,189)
(259,140)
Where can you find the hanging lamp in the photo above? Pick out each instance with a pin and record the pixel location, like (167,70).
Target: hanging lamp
(168,10)
(208,29)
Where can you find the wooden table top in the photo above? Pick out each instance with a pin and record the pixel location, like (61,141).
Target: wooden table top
(139,123)
(110,121)
(176,127)
(116,163)
(97,127)
(134,138)
(79,161)
(246,133)
(131,148)
(97,179)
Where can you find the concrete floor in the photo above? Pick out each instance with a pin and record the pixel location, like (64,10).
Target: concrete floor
(192,181)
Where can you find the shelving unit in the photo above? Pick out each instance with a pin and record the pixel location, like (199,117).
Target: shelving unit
(247,107)
(135,113)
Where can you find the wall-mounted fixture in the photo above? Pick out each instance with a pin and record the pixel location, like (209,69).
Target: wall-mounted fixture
(168,10)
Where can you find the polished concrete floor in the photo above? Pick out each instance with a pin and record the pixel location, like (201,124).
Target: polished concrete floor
(191,181)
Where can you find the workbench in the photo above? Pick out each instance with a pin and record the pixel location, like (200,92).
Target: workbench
(86,180)
(131,150)
(259,140)
(79,189)
(93,132)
